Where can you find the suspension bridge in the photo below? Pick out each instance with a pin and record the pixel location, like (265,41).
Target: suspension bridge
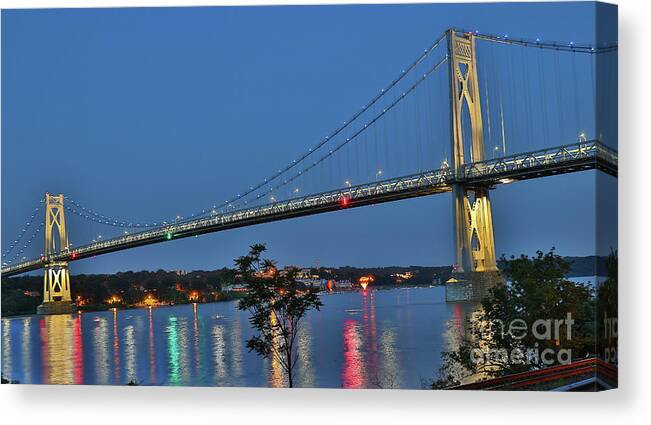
(474,111)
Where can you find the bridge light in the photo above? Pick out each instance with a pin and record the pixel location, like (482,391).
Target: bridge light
(168,236)
(348,183)
(344,202)
(506,180)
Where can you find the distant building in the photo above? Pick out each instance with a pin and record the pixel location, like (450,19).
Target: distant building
(401,277)
(234,287)
(344,284)
(314,283)
(307,274)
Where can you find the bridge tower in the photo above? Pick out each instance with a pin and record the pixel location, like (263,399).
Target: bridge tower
(476,265)
(56,278)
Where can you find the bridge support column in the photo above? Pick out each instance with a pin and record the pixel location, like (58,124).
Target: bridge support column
(56,278)
(56,290)
(475,271)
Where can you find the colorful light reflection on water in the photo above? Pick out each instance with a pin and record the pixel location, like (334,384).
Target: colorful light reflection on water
(366,339)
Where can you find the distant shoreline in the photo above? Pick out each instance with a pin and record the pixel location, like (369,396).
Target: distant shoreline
(100,308)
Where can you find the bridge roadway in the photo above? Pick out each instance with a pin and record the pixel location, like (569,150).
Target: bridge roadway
(580,156)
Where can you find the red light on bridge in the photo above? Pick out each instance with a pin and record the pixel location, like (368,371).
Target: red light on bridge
(344,201)
(74,255)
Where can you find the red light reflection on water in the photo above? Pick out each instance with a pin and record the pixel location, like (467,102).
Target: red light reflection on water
(361,351)
(78,353)
(353,374)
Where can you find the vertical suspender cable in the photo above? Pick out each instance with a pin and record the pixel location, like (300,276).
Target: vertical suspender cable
(576,93)
(543,98)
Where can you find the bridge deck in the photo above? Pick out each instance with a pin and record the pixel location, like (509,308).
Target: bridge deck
(558,160)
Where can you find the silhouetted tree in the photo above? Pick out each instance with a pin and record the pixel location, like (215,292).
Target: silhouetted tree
(277,303)
(536,292)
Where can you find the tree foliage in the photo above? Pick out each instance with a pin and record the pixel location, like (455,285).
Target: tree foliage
(536,293)
(277,303)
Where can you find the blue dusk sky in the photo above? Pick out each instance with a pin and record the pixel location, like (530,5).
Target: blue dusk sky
(152,113)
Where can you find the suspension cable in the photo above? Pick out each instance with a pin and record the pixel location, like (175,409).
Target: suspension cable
(362,129)
(552,45)
(23,231)
(339,129)
(89,214)
(27,244)
(569,47)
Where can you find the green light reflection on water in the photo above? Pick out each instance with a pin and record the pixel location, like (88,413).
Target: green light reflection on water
(173,351)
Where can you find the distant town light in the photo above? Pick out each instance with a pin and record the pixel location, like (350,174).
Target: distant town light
(364,281)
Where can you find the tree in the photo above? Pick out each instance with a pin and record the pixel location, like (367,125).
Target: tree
(277,303)
(500,338)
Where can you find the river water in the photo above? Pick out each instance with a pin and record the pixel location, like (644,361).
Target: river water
(375,339)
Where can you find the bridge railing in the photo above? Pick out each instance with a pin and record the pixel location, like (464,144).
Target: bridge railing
(607,153)
(427,182)
(540,158)
(26,265)
(429,179)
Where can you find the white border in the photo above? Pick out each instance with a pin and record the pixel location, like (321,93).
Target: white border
(630,404)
